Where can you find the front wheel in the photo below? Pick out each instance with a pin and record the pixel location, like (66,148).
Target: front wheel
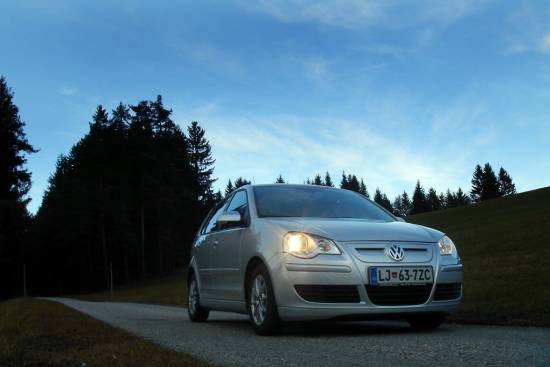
(196,312)
(261,305)
(426,322)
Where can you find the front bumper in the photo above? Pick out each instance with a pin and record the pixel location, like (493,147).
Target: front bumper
(347,269)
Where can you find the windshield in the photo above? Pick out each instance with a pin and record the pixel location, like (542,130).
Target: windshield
(316,202)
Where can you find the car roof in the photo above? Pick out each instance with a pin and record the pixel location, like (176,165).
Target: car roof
(291,185)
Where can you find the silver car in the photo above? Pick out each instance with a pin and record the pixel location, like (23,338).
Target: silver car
(301,252)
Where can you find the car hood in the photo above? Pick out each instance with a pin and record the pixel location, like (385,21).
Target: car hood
(345,230)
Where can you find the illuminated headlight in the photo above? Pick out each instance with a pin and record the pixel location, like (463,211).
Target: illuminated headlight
(447,247)
(308,245)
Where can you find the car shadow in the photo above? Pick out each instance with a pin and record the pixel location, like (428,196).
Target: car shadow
(313,329)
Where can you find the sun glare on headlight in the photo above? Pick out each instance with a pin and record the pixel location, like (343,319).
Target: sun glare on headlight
(307,245)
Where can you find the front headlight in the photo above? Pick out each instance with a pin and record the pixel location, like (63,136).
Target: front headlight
(306,245)
(446,247)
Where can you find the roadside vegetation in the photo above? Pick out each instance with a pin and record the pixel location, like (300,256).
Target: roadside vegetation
(43,333)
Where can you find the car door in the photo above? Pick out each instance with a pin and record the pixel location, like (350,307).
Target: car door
(226,251)
(204,252)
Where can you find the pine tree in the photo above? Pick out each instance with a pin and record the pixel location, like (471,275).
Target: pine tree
(419,201)
(442,200)
(120,118)
(477,184)
(201,161)
(398,206)
(15,183)
(507,186)
(377,196)
(353,183)
(405,204)
(382,200)
(229,188)
(344,184)
(490,187)
(433,200)
(450,199)
(460,198)
(218,197)
(239,182)
(363,189)
(328,180)
(318,180)
(280,179)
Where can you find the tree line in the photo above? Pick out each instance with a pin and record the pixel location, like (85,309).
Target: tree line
(485,185)
(127,199)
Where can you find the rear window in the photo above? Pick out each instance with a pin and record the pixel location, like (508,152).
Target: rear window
(315,202)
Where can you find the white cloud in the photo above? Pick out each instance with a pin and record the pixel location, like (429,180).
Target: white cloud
(259,148)
(67,91)
(354,14)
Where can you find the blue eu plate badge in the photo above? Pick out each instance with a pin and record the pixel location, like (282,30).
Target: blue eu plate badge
(373,276)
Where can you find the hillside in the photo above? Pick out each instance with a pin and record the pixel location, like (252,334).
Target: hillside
(505,246)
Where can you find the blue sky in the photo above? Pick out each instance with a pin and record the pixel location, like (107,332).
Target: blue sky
(389,90)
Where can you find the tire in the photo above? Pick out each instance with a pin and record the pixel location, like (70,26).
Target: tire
(262,306)
(196,312)
(426,322)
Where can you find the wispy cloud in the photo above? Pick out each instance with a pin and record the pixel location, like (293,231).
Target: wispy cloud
(354,14)
(529,31)
(317,69)
(299,147)
(67,91)
(208,55)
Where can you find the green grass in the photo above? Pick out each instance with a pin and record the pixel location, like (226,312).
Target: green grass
(505,246)
(170,290)
(43,333)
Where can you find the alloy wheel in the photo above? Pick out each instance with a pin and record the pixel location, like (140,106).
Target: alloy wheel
(258,300)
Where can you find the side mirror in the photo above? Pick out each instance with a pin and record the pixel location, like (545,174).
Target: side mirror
(400,219)
(230,217)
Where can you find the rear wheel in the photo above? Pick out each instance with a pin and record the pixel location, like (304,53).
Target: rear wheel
(261,303)
(426,322)
(196,312)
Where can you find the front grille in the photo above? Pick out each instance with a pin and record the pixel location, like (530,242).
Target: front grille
(445,292)
(398,295)
(328,293)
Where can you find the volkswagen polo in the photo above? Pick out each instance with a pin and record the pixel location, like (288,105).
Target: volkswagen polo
(301,252)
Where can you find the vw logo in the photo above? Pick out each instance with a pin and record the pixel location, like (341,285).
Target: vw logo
(396,253)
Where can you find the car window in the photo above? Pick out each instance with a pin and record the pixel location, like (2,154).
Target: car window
(239,203)
(211,225)
(310,201)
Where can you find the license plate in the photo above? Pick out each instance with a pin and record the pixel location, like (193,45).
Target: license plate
(395,275)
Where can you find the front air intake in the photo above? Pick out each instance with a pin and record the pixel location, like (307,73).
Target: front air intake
(328,293)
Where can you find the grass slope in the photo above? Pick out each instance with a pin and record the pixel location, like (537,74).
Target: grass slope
(43,333)
(505,246)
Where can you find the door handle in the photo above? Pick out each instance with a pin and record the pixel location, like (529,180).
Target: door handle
(215,243)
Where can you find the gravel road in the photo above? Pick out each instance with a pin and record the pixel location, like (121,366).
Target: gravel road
(227,340)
